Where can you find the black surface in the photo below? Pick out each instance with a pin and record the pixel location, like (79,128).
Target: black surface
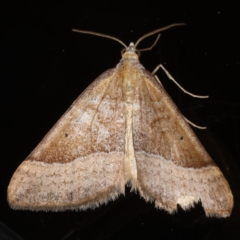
(45,66)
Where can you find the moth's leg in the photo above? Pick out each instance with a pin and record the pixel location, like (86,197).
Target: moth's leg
(191,123)
(171,78)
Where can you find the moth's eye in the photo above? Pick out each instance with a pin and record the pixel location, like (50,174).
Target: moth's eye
(123,51)
(138,53)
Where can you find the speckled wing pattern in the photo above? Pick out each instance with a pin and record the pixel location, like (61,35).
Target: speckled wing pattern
(173,167)
(79,163)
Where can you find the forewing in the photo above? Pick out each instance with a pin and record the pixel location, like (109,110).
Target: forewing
(173,167)
(79,163)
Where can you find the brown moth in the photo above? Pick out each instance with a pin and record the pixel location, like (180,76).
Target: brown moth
(124,128)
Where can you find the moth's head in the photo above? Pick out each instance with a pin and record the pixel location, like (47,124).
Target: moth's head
(130,51)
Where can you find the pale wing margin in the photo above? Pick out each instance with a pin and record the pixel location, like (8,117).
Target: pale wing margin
(79,163)
(173,167)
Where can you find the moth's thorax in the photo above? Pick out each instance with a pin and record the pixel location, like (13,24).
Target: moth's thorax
(128,71)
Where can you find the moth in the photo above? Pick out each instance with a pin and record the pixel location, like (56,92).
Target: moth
(123,129)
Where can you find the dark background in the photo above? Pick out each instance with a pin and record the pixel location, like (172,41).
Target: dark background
(45,66)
